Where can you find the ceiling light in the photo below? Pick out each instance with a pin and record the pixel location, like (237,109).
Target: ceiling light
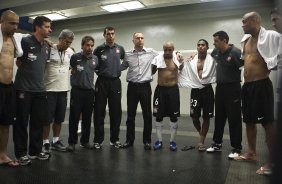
(52,16)
(113,8)
(130,5)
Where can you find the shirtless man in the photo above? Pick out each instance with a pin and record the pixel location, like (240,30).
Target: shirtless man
(9,25)
(202,97)
(257,91)
(166,97)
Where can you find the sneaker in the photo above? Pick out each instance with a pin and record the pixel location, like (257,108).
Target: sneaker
(40,156)
(46,148)
(234,153)
(214,148)
(147,146)
(127,144)
(70,148)
(24,160)
(116,144)
(87,146)
(58,146)
(97,145)
(158,145)
(172,146)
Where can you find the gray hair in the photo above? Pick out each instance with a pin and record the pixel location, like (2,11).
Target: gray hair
(66,33)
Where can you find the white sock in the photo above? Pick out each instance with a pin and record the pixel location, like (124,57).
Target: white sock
(159,127)
(55,139)
(173,129)
(45,141)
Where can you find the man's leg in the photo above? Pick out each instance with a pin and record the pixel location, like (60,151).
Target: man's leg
(145,102)
(115,111)
(269,136)
(251,131)
(132,102)
(204,130)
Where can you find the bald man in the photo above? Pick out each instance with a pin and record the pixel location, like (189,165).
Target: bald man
(166,101)
(257,91)
(9,43)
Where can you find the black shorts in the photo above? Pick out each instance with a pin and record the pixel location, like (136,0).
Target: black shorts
(258,101)
(202,99)
(7,104)
(166,102)
(57,105)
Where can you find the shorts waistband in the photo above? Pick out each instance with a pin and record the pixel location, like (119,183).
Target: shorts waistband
(258,81)
(6,85)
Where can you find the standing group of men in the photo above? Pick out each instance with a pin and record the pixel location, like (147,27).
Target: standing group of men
(43,73)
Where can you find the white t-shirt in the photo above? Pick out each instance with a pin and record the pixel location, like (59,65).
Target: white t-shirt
(57,71)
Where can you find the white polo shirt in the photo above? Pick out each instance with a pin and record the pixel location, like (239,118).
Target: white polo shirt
(57,71)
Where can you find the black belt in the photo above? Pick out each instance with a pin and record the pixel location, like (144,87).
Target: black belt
(138,83)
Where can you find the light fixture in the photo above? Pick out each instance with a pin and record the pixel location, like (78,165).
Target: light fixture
(52,16)
(129,5)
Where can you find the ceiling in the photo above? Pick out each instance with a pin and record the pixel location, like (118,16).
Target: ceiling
(80,8)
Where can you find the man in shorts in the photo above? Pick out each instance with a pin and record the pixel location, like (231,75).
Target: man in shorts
(202,98)
(257,91)
(57,80)
(10,42)
(166,101)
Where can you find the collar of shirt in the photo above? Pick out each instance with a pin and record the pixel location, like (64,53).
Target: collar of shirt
(144,49)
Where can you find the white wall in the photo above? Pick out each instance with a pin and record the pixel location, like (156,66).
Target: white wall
(184,25)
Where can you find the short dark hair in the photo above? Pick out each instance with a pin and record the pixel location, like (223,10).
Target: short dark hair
(86,39)
(207,43)
(275,10)
(222,35)
(108,28)
(39,21)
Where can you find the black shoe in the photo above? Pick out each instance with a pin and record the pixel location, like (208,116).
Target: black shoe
(24,160)
(127,144)
(97,145)
(58,146)
(86,146)
(71,148)
(40,156)
(116,144)
(147,146)
(46,148)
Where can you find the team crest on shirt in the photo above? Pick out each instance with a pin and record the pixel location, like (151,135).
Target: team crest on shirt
(229,58)
(93,62)
(117,50)
(103,57)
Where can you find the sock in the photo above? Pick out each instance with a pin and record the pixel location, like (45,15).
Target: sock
(45,141)
(159,126)
(55,139)
(173,129)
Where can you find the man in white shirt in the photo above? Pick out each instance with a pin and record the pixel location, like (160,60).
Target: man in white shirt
(57,82)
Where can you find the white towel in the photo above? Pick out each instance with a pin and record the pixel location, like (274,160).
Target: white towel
(160,62)
(17,40)
(268,46)
(188,77)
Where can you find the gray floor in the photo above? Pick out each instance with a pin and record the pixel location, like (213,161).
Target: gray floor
(135,165)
